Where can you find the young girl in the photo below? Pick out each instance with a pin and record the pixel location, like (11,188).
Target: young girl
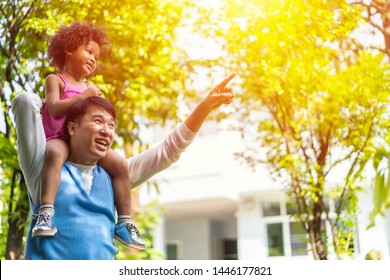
(74,51)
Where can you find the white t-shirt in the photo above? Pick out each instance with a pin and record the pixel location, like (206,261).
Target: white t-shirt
(87,172)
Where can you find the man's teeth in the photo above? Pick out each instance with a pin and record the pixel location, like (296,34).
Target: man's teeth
(102,143)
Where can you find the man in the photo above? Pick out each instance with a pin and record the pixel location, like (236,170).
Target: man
(85,213)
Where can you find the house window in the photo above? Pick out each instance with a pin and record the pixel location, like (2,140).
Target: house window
(271,209)
(173,250)
(297,240)
(285,237)
(285,234)
(229,250)
(275,240)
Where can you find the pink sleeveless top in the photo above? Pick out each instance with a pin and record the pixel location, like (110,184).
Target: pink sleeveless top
(53,126)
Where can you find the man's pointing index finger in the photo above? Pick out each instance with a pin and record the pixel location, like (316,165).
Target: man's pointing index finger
(224,83)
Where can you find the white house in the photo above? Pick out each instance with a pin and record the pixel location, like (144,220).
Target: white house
(218,209)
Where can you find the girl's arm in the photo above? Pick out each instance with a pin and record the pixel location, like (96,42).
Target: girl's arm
(53,102)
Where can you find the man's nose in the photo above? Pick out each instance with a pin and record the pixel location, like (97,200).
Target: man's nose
(106,130)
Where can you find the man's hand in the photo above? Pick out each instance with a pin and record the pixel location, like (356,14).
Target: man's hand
(220,94)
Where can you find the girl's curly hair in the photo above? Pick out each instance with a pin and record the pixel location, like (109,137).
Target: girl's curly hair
(69,38)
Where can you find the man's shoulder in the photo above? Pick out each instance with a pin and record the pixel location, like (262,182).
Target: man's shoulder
(100,169)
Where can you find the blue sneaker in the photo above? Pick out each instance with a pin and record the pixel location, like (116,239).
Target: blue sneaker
(128,235)
(45,225)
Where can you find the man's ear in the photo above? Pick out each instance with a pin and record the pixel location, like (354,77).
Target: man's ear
(71,128)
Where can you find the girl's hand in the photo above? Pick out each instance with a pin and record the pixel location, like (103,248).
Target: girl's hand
(92,91)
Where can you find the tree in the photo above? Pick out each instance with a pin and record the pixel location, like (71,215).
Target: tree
(377,16)
(376,13)
(317,102)
(17,53)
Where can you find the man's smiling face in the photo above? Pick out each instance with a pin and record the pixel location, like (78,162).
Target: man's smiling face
(91,136)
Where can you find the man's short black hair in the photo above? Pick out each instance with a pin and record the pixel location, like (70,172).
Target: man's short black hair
(80,109)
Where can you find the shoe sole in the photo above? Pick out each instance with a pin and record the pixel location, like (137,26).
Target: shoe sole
(130,245)
(44,233)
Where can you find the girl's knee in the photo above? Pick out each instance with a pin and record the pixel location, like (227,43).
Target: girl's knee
(54,156)
(119,168)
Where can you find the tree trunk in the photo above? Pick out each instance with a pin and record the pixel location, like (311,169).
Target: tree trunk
(316,241)
(17,218)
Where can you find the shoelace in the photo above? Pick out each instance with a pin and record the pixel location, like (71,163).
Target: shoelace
(43,218)
(133,229)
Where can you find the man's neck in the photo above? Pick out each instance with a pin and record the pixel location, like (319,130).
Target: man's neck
(82,161)
(82,166)
(87,173)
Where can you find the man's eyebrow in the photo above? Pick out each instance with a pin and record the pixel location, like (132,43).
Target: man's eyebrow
(97,115)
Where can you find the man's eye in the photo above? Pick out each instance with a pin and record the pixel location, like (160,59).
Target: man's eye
(111,126)
(97,121)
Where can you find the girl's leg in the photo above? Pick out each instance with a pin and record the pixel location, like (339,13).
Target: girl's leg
(118,168)
(125,231)
(57,151)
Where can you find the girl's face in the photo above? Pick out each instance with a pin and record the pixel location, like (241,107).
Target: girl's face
(84,59)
